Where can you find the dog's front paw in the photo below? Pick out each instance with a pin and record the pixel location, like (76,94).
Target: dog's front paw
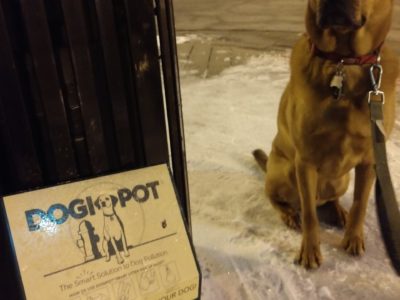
(353,244)
(309,256)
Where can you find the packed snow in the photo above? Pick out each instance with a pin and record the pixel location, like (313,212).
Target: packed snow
(244,249)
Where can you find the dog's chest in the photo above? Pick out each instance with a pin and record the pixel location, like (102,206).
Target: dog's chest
(339,139)
(342,156)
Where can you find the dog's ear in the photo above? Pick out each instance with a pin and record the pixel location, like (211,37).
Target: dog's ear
(97,202)
(114,200)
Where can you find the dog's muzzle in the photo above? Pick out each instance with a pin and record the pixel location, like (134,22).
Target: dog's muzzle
(340,14)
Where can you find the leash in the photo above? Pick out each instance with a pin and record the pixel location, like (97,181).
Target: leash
(385,197)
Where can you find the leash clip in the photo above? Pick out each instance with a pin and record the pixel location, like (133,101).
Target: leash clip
(376,72)
(376,80)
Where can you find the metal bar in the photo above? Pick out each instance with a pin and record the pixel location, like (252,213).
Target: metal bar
(115,81)
(173,100)
(46,153)
(17,143)
(144,50)
(40,43)
(75,113)
(84,73)
(4,182)
(121,22)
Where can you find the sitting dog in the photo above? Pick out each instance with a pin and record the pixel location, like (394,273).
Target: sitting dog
(113,229)
(324,125)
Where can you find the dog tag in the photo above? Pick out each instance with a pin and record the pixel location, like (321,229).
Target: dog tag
(337,85)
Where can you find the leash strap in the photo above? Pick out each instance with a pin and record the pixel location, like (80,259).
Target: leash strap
(385,197)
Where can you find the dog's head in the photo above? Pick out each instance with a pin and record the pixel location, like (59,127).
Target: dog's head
(105,201)
(348,26)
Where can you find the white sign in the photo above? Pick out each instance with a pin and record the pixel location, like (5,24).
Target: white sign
(116,237)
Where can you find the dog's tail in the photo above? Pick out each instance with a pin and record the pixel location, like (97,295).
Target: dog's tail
(261,159)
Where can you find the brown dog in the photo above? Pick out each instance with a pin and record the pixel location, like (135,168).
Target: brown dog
(321,136)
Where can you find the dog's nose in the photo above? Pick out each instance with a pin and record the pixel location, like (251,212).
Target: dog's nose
(338,13)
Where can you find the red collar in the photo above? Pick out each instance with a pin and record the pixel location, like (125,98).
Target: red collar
(367,59)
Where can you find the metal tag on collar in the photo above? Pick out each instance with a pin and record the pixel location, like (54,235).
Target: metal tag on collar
(337,81)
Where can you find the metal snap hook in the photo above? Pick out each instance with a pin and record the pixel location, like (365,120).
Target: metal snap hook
(376,80)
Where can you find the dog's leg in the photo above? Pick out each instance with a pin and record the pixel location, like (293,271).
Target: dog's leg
(353,241)
(124,244)
(105,249)
(280,187)
(291,221)
(307,178)
(289,215)
(120,260)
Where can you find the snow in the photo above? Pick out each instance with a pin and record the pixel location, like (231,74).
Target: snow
(244,249)
(185,38)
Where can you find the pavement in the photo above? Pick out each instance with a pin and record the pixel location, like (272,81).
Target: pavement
(216,34)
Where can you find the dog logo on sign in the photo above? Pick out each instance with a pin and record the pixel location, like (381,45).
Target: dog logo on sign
(112,235)
(113,228)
